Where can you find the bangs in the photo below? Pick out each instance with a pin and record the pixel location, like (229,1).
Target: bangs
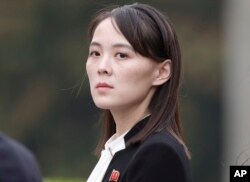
(141,31)
(145,29)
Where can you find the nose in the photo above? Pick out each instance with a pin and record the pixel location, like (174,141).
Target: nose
(104,67)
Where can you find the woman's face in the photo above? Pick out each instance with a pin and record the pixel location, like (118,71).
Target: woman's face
(119,77)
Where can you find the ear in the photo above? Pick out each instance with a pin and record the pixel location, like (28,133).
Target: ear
(162,73)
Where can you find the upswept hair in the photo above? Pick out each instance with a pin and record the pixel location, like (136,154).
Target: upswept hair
(151,34)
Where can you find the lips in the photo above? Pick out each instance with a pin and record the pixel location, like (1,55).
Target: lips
(103,85)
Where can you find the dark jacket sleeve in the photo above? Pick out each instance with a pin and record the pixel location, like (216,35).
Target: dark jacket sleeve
(157,162)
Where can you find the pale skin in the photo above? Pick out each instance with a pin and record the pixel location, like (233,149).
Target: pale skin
(122,80)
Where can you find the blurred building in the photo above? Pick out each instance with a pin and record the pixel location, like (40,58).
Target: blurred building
(236,85)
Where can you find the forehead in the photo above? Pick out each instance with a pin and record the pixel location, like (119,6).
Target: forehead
(107,30)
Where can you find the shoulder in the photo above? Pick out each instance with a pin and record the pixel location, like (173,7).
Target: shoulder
(12,148)
(165,148)
(160,157)
(16,158)
(164,141)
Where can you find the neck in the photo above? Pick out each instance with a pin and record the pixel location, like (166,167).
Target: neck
(126,119)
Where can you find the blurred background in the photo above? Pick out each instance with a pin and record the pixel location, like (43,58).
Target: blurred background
(43,49)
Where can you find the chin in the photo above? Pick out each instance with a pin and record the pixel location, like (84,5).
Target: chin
(102,105)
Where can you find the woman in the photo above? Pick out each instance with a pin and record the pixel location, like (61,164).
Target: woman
(134,68)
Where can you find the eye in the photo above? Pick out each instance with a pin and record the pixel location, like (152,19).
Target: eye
(94,53)
(121,55)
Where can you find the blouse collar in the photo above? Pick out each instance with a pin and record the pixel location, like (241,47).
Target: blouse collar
(117,143)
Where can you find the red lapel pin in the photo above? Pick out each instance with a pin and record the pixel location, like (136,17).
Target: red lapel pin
(114,176)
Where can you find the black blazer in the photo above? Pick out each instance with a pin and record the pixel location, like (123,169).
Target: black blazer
(17,163)
(160,158)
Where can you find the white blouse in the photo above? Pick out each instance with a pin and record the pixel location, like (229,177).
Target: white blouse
(113,145)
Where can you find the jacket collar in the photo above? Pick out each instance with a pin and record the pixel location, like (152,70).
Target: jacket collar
(136,129)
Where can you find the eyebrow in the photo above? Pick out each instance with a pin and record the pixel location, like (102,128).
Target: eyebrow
(117,45)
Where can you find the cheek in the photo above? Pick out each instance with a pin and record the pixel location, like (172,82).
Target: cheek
(87,67)
(135,81)
(142,75)
(89,71)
